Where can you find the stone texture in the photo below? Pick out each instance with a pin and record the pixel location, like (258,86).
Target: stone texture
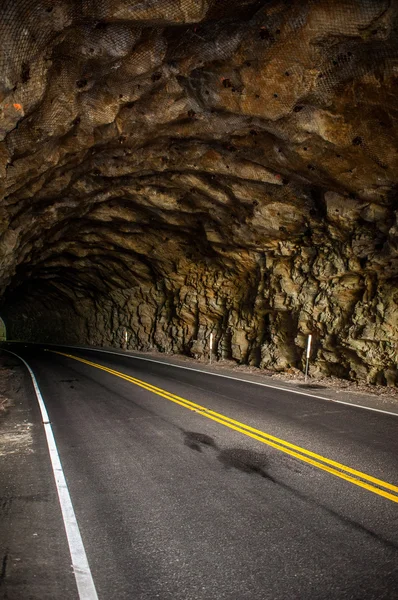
(176,167)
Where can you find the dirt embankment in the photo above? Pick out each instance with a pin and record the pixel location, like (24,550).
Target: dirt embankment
(10,383)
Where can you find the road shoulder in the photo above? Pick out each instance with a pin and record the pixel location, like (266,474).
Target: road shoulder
(34,557)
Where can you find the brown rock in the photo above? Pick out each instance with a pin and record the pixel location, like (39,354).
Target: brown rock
(179,168)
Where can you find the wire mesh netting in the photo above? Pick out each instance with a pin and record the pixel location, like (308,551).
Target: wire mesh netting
(295,97)
(226,165)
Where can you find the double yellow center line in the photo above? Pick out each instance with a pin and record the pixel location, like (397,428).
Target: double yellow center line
(377,486)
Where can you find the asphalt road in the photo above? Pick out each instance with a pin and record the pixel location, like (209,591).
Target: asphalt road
(177,502)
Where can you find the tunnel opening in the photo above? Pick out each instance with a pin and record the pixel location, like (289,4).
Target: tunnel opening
(3,331)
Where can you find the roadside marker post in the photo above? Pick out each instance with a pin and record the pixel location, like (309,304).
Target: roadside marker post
(211,345)
(308,357)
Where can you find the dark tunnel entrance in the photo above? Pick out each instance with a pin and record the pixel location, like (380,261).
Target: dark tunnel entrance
(3,331)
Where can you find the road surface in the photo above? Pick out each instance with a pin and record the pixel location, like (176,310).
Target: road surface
(190,486)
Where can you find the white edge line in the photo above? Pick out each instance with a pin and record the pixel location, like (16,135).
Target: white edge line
(81,568)
(267,385)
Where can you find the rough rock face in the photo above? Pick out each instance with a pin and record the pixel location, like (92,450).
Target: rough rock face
(181,167)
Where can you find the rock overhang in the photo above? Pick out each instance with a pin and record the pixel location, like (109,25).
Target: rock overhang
(180,167)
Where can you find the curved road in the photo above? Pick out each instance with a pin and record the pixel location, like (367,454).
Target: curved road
(190,486)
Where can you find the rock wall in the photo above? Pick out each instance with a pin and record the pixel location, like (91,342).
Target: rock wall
(260,318)
(177,168)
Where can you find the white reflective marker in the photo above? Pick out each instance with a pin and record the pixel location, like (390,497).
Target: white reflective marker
(84,580)
(211,341)
(308,357)
(309,345)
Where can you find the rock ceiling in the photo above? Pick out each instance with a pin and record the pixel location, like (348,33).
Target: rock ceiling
(178,167)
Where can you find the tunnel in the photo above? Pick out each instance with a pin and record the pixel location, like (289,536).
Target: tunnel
(172,169)
(3,331)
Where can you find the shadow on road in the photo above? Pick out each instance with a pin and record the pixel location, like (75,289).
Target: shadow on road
(249,461)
